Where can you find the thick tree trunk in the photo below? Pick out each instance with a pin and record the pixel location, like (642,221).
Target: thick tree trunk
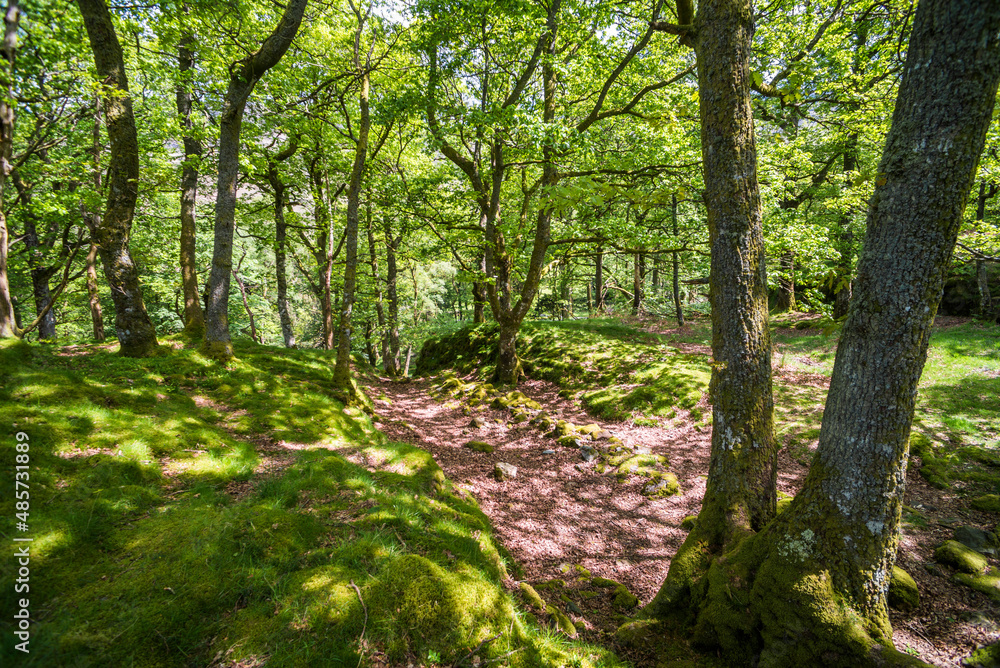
(342,371)
(94,297)
(244,75)
(194,318)
(811,588)
(741,494)
(786,283)
(508,365)
(132,324)
(8,50)
(983,281)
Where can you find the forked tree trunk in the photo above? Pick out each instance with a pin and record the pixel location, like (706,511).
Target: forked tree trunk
(811,588)
(244,75)
(132,324)
(11,18)
(194,317)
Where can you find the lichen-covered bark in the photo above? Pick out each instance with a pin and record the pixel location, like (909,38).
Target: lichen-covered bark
(132,324)
(740,496)
(811,587)
(244,76)
(8,50)
(194,317)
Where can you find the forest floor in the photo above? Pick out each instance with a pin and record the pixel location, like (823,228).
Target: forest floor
(561,512)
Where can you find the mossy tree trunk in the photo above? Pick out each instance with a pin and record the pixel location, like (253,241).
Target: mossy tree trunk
(390,359)
(786,283)
(194,317)
(8,50)
(678,307)
(280,251)
(599,281)
(741,494)
(810,589)
(94,297)
(342,370)
(132,324)
(244,75)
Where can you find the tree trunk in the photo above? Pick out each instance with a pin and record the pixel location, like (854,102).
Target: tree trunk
(194,318)
(678,307)
(8,50)
(843,287)
(811,588)
(244,75)
(96,315)
(599,281)
(786,283)
(246,305)
(369,346)
(132,324)
(508,365)
(390,361)
(280,241)
(983,281)
(342,371)
(590,298)
(638,281)
(741,493)
(40,274)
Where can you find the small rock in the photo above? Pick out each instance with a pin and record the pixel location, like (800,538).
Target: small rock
(978,540)
(479,446)
(643,450)
(477,423)
(602,435)
(502,471)
(574,608)
(588,454)
(569,442)
(548,452)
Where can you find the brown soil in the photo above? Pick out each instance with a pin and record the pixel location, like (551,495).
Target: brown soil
(559,512)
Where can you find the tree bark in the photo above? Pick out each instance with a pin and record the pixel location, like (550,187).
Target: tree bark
(8,50)
(390,361)
(280,241)
(379,295)
(132,324)
(94,297)
(244,75)
(982,275)
(40,273)
(678,307)
(194,317)
(638,281)
(342,371)
(246,304)
(811,588)
(843,287)
(786,283)
(599,281)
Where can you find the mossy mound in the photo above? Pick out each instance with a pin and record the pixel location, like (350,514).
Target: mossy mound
(433,609)
(531,597)
(960,557)
(987,656)
(903,592)
(689,522)
(561,621)
(661,484)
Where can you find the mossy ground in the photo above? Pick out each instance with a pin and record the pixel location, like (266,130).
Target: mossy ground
(156,544)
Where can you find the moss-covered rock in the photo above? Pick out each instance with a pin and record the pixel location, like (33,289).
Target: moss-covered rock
(689,522)
(903,592)
(989,503)
(624,600)
(479,446)
(531,597)
(639,633)
(986,583)
(661,484)
(985,656)
(561,621)
(557,583)
(932,469)
(569,441)
(962,558)
(503,471)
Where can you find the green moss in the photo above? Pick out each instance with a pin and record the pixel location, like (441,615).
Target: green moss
(903,592)
(624,600)
(479,446)
(987,583)
(987,503)
(562,622)
(987,656)
(688,523)
(531,596)
(959,556)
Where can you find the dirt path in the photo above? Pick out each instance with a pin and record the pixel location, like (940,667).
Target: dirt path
(559,510)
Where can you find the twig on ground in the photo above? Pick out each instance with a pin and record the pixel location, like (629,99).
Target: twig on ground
(364,624)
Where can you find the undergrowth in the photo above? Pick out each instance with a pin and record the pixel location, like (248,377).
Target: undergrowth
(154,542)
